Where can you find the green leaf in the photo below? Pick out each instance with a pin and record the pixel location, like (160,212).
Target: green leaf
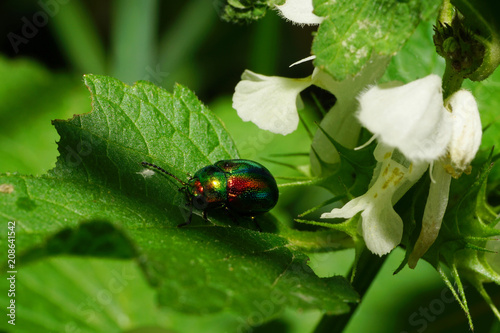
(93,238)
(69,294)
(353,32)
(239,11)
(99,202)
(91,295)
(417,58)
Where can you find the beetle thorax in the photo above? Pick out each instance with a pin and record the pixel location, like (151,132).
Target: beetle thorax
(208,188)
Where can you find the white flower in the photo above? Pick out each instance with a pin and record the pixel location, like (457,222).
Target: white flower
(381,226)
(271,102)
(299,11)
(409,117)
(412,120)
(466,132)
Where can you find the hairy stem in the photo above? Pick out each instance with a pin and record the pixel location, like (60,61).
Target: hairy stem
(452,81)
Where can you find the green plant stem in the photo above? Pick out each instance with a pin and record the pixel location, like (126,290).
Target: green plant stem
(452,81)
(368,268)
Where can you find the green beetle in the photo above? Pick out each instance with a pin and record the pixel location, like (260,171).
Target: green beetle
(243,187)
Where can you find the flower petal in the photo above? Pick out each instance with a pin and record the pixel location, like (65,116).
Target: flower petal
(410,117)
(435,208)
(350,209)
(269,101)
(382,228)
(299,11)
(380,225)
(466,133)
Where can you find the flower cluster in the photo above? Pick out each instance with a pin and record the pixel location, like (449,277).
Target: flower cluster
(417,131)
(412,120)
(415,128)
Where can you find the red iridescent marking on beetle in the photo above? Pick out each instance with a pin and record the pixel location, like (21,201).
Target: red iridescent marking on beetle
(238,185)
(198,188)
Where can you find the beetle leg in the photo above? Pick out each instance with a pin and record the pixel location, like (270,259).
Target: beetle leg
(188,221)
(232,216)
(256,223)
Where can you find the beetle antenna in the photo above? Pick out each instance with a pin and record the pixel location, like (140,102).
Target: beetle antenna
(146,164)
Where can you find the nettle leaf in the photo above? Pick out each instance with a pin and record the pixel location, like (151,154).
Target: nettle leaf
(98,202)
(353,32)
(417,58)
(133,123)
(82,294)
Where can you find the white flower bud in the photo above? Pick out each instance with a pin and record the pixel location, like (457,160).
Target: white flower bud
(466,132)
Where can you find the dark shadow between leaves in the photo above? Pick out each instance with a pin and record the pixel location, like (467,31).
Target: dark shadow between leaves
(96,238)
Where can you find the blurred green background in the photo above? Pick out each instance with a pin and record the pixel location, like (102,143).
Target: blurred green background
(49,44)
